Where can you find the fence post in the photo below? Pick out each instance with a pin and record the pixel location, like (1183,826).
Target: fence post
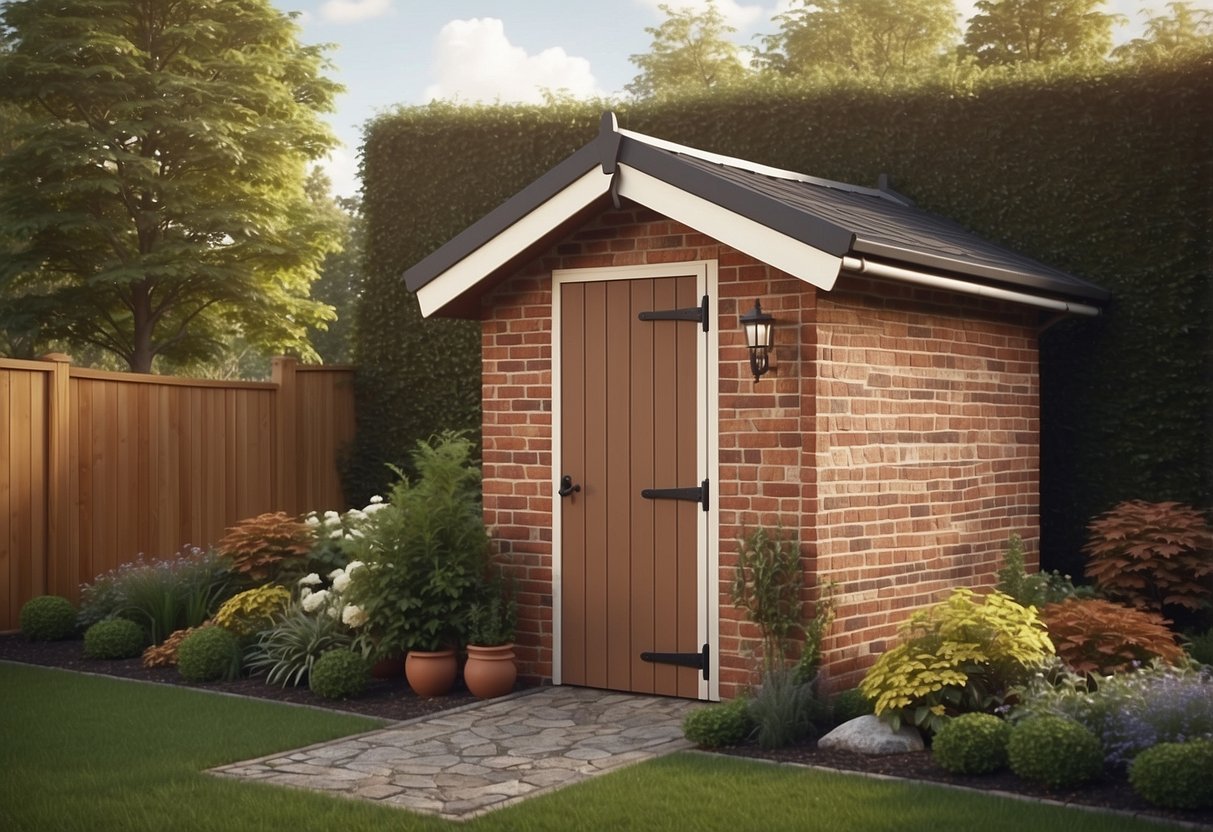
(61,570)
(286,409)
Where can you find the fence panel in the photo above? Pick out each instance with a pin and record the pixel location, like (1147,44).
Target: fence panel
(24,389)
(97,468)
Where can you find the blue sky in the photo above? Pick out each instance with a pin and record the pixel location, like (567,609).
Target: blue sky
(390,52)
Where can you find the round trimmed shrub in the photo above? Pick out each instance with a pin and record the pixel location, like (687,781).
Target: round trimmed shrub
(113,638)
(850,704)
(715,726)
(339,674)
(207,654)
(1054,751)
(47,618)
(972,744)
(1176,775)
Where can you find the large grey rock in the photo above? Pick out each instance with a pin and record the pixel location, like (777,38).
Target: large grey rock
(872,736)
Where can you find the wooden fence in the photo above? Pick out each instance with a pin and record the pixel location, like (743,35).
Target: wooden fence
(97,468)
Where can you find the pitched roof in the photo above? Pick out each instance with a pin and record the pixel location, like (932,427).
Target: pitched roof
(809,227)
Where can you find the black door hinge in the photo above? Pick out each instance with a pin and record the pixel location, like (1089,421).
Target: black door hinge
(694,313)
(698,494)
(700,661)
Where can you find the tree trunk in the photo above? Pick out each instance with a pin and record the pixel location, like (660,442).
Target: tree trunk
(141,352)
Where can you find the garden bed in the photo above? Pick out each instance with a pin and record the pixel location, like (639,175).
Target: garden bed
(391,699)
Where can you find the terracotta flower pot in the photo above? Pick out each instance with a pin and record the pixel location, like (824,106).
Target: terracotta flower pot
(430,674)
(490,671)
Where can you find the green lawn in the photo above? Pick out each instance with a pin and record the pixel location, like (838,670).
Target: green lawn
(87,753)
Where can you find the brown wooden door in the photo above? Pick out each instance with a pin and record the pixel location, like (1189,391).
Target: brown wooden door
(628,422)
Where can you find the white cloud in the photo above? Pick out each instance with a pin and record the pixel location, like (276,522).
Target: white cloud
(475,61)
(735,14)
(354,11)
(341,167)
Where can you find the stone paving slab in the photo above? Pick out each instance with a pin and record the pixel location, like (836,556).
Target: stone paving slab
(460,764)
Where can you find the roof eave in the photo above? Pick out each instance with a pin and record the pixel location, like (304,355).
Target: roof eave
(1040,280)
(505,215)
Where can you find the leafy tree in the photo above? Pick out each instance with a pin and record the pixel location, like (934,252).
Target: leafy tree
(1043,31)
(868,37)
(341,277)
(691,52)
(1185,31)
(154,204)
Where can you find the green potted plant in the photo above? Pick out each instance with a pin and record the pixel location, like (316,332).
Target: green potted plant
(425,554)
(490,670)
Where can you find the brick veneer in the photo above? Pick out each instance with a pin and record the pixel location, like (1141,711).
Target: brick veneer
(896,435)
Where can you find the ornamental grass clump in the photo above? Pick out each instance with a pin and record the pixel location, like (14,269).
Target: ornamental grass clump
(161,596)
(47,618)
(963,654)
(287,653)
(114,638)
(785,710)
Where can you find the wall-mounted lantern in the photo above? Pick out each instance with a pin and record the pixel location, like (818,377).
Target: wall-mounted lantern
(759,338)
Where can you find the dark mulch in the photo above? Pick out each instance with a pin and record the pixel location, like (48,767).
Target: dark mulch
(391,699)
(386,698)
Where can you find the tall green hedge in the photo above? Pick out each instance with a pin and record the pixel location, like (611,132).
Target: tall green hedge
(1108,175)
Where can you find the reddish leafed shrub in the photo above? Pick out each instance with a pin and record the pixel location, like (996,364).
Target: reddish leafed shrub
(1152,554)
(262,546)
(1096,636)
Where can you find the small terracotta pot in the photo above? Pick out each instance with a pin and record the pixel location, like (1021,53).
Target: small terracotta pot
(490,671)
(431,673)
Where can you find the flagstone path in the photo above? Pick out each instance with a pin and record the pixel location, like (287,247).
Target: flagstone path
(461,763)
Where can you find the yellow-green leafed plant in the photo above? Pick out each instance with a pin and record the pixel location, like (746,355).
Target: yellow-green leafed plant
(961,655)
(253,610)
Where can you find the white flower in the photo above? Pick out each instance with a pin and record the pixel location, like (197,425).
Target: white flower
(331,515)
(310,579)
(341,582)
(336,534)
(372,508)
(356,534)
(352,565)
(303,593)
(315,601)
(338,571)
(353,616)
(312,520)
(376,500)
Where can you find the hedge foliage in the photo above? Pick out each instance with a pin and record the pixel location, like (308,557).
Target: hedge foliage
(1106,174)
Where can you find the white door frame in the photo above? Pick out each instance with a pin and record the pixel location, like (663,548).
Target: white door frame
(707,465)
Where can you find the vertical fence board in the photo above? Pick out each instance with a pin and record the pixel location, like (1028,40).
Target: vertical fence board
(97,468)
(8,614)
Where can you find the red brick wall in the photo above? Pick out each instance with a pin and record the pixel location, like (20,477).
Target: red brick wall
(927,454)
(791,434)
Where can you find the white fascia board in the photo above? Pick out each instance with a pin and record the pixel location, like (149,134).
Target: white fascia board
(514,240)
(812,265)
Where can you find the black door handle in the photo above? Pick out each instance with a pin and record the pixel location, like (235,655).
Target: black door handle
(567,487)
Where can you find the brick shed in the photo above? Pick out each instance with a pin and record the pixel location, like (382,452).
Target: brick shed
(895,433)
